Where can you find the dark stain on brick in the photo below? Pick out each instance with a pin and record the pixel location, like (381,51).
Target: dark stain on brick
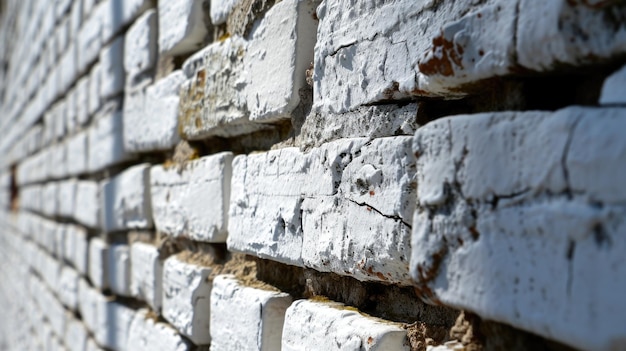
(445,55)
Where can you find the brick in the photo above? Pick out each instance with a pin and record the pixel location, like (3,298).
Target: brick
(156,126)
(283,39)
(88,300)
(114,321)
(355,220)
(76,248)
(612,87)
(76,18)
(140,51)
(570,42)
(210,103)
(68,66)
(146,334)
(59,233)
(246,318)
(76,336)
(118,269)
(76,153)
(89,42)
(62,7)
(465,251)
(56,161)
(49,199)
(66,197)
(181,26)
(146,274)
(112,62)
(81,103)
(267,69)
(186,299)
(126,200)
(88,196)
(331,326)
(348,40)
(220,9)
(99,263)
(193,203)
(68,287)
(272,186)
(94,89)
(62,37)
(116,14)
(106,144)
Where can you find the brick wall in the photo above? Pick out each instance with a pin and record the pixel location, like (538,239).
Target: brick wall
(312,175)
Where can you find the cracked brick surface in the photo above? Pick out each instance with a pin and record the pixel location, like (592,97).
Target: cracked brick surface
(354,220)
(538,232)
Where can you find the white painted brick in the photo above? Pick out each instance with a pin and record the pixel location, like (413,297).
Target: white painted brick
(577,34)
(465,250)
(109,12)
(220,9)
(89,42)
(66,197)
(76,336)
(61,8)
(146,274)
(68,66)
(49,199)
(60,113)
(118,270)
(612,89)
(58,249)
(54,311)
(30,198)
(76,153)
(268,71)
(313,325)
(88,300)
(88,6)
(62,36)
(155,127)
(99,263)
(364,230)
(186,299)
(49,242)
(76,18)
(94,89)
(146,334)
(81,103)
(181,26)
(56,164)
(77,248)
(115,14)
(140,51)
(194,202)
(88,203)
(69,113)
(112,62)
(280,51)
(68,287)
(106,145)
(214,101)
(246,318)
(126,200)
(354,220)
(195,62)
(114,321)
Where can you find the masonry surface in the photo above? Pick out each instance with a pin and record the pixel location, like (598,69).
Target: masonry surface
(314,175)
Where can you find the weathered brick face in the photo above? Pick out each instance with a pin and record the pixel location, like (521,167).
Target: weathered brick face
(312,175)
